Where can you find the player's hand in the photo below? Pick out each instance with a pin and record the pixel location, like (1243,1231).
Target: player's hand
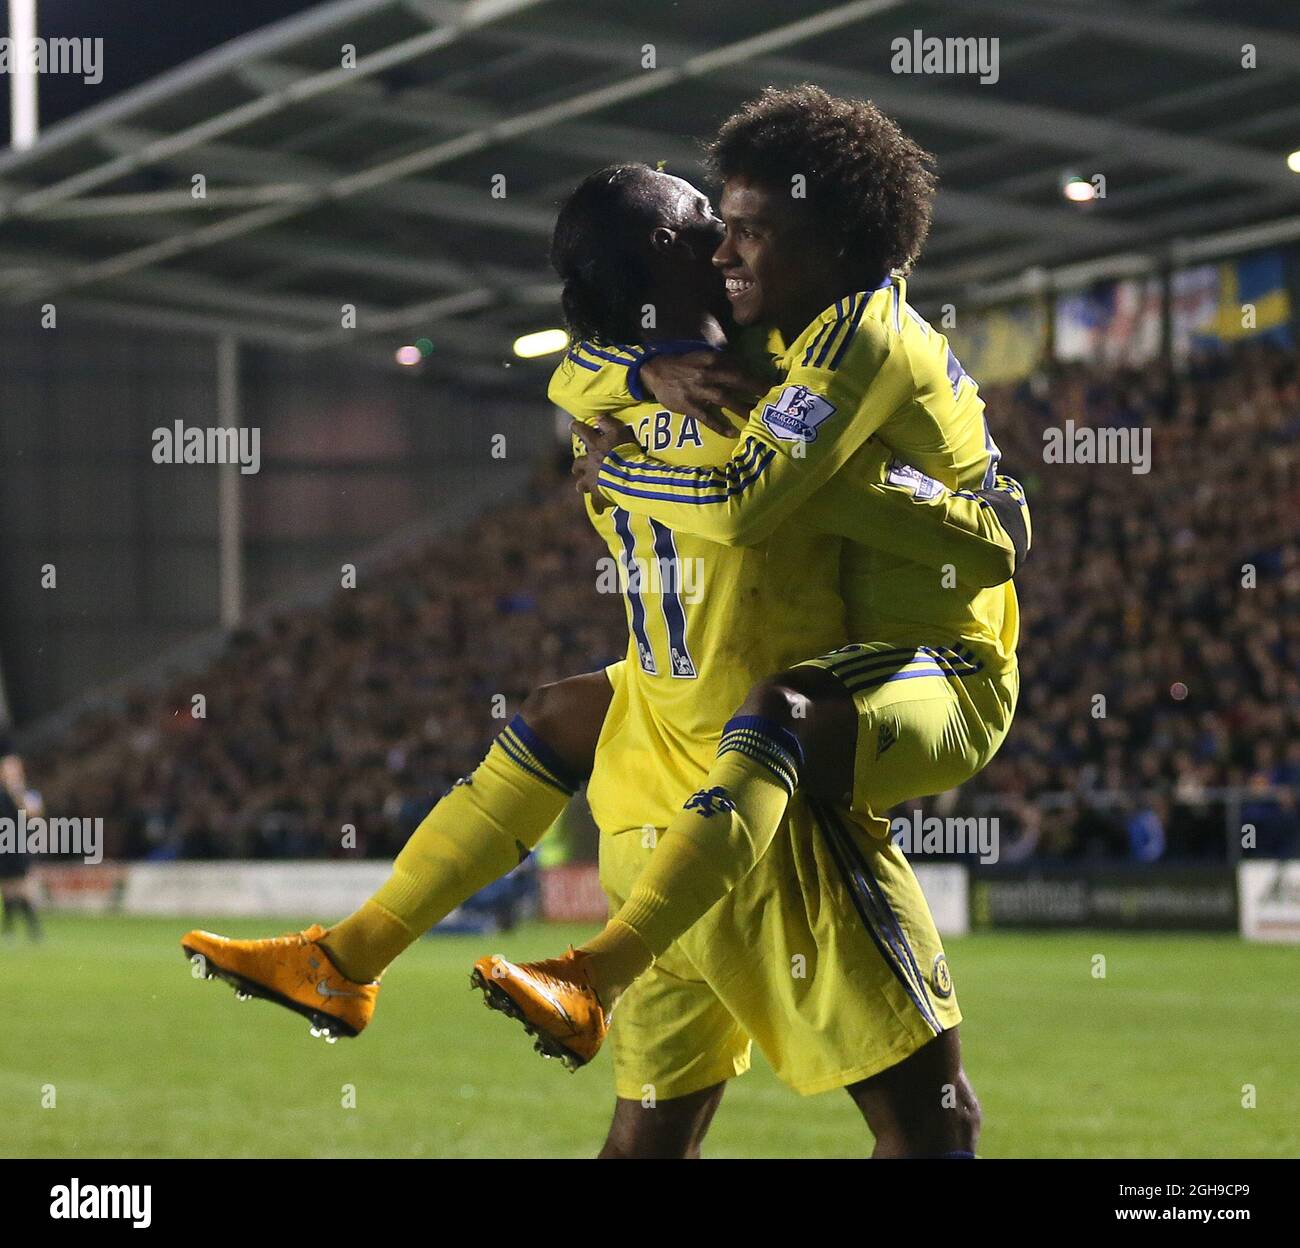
(700,384)
(599,439)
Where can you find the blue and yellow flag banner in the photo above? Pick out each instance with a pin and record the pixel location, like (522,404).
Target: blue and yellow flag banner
(1231,301)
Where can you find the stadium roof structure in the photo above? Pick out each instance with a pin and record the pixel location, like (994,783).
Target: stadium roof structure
(371,185)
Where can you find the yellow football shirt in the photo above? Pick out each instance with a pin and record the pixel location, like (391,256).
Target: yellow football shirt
(708,619)
(868,378)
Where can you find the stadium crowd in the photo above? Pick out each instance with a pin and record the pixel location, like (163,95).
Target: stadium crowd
(357,714)
(1160,653)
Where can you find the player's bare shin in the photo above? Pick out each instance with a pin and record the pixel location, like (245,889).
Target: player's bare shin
(924,1106)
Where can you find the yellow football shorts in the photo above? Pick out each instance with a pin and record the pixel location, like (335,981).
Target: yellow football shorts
(929,718)
(826,954)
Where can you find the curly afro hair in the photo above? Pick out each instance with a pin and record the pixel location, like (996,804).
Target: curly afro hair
(870,186)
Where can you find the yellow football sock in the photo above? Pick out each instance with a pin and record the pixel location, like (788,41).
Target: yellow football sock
(482,829)
(366,941)
(712,844)
(615,957)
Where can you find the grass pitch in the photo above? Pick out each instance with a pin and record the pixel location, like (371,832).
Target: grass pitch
(141,1060)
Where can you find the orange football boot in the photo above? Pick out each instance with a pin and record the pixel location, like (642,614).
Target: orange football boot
(553,999)
(293,971)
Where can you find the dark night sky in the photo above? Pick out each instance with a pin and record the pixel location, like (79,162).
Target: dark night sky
(142,38)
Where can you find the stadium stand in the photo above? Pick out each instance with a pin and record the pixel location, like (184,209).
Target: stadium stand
(361,711)
(364,710)
(1145,605)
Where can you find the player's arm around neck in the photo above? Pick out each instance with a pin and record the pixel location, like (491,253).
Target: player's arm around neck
(843,381)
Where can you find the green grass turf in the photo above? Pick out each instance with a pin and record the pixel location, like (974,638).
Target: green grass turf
(146,1061)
